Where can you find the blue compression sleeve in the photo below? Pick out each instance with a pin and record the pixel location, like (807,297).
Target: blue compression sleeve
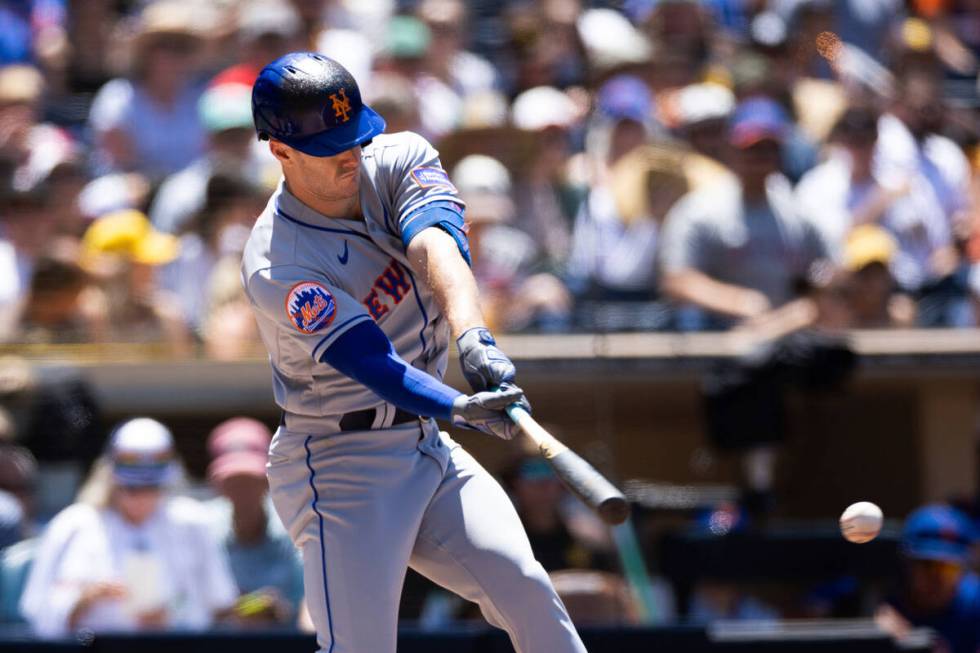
(446,215)
(365,354)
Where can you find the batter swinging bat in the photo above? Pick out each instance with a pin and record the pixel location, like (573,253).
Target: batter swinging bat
(579,476)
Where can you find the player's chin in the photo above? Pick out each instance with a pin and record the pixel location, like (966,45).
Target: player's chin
(348,183)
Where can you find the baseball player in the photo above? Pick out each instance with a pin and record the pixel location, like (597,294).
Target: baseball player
(358,274)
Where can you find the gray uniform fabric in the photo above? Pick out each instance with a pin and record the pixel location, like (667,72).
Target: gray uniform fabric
(362,506)
(765,247)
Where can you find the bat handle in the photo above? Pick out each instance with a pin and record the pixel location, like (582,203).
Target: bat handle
(547,443)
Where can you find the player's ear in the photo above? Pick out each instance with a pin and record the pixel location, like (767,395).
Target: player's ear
(279,150)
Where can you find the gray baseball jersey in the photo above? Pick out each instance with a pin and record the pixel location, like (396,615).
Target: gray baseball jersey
(311,277)
(365,505)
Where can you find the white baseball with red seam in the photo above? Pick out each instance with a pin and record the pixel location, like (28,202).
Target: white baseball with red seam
(861,522)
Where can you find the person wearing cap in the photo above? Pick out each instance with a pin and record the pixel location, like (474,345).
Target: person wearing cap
(149,123)
(127,557)
(216,232)
(546,197)
(358,273)
(264,561)
(936,590)
(911,153)
(612,255)
(514,293)
(225,111)
(738,250)
(873,299)
(125,252)
(702,112)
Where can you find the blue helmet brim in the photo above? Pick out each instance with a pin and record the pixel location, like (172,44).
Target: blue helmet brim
(332,142)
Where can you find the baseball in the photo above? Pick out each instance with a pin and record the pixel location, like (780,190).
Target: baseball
(861,522)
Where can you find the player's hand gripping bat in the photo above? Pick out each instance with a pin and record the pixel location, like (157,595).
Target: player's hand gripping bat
(578,476)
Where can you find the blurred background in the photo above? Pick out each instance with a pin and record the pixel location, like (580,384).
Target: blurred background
(743,234)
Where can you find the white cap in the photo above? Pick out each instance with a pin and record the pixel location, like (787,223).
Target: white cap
(263,17)
(479,173)
(484,184)
(543,106)
(611,40)
(142,453)
(699,102)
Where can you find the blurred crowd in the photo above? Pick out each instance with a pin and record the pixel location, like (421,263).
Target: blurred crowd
(635,165)
(142,547)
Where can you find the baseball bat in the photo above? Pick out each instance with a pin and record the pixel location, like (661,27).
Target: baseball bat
(578,476)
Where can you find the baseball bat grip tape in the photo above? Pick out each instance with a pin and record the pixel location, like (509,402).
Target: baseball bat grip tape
(579,476)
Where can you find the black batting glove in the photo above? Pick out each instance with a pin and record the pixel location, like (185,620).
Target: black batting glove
(483,364)
(486,411)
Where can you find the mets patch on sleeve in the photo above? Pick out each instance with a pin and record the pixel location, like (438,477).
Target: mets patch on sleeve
(310,306)
(428,177)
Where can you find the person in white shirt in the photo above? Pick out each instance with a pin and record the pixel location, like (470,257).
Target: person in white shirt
(129,558)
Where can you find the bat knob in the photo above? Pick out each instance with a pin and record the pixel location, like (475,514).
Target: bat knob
(614,510)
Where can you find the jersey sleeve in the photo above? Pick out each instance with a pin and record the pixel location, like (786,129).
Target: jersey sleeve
(682,245)
(308,311)
(416,179)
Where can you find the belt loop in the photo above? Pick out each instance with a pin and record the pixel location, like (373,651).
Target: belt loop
(384,415)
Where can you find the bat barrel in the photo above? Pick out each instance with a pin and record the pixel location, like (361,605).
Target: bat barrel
(591,487)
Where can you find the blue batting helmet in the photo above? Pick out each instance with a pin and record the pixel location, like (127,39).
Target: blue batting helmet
(938,532)
(311,103)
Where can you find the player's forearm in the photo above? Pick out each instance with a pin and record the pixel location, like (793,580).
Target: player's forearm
(434,255)
(366,355)
(697,288)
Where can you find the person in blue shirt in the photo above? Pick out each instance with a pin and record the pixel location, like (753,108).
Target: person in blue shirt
(937,591)
(264,562)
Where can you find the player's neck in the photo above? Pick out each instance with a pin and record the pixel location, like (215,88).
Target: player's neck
(346,208)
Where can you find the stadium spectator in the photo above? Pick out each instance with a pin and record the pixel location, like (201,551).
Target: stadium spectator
(393,96)
(127,557)
(265,564)
(149,123)
(226,113)
(18,483)
(547,41)
(873,299)
(740,250)
(11,520)
(507,262)
(613,264)
(218,229)
(937,590)
(62,304)
(34,147)
(547,195)
(843,192)
(267,29)
(125,251)
(701,118)
(911,153)
(228,329)
(446,59)
(18,478)
(561,535)
(27,227)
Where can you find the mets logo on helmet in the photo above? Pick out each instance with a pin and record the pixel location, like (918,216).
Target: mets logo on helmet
(310,306)
(341,105)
